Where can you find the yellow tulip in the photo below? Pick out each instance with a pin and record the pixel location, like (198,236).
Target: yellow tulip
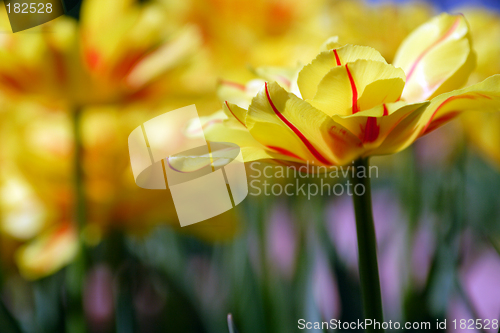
(32,232)
(120,52)
(382,26)
(349,103)
(485,28)
(258,32)
(42,149)
(36,182)
(48,253)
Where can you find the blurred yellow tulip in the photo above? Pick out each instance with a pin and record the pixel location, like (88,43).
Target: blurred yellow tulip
(31,232)
(350,103)
(284,32)
(485,28)
(382,26)
(117,66)
(121,51)
(44,150)
(49,252)
(257,32)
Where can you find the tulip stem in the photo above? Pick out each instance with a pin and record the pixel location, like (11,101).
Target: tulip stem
(367,245)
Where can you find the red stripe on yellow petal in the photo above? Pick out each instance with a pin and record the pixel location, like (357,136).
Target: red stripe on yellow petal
(211,122)
(93,59)
(337,57)
(428,49)
(449,99)
(234,114)
(126,64)
(284,152)
(59,64)
(284,80)
(484,96)
(301,136)
(232,84)
(386,112)
(354,91)
(65,228)
(371,131)
(435,124)
(11,82)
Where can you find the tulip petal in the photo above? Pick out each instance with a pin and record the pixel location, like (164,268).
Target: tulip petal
(284,76)
(437,57)
(330,43)
(234,111)
(226,128)
(239,94)
(374,125)
(311,75)
(283,122)
(48,253)
(159,61)
(369,83)
(404,133)
(483,96)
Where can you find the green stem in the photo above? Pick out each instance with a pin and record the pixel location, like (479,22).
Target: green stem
(367,244)
(76,271)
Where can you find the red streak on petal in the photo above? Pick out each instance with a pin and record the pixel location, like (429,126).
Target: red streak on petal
(232,84)
(435,124)
(213,121)
(284,152)
(284,80)
(386,112)
(354,91)
(126,64)
(449,99)
(337,57)
(92,58)
(59,65)
(485,96)
(64,229)
(234,114)
(372,130)
(12,82)
(428,49)
(301,136)
(140,94)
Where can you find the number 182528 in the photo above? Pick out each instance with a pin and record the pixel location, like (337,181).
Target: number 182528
(478,324)
(29,8)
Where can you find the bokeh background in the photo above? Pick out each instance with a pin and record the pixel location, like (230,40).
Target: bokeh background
(83,249)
